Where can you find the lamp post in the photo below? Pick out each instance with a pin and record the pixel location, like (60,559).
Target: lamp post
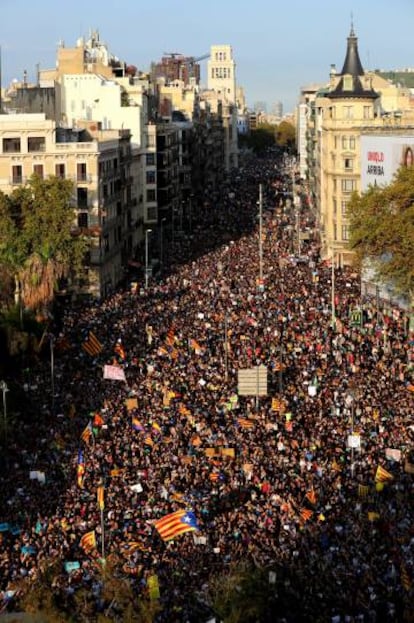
(162,241)
(260,238)
(147,231)
(4,389)
(333,319)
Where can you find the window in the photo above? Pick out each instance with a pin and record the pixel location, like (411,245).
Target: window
(334,232)
(348,112)
(151,195)
(38,170)
(17,174)
(81,172)
(344,142)
(152,214)
(348,164)
(83,219)
(348,186)
(106,243)
(60,170)
(150,177)
(348,83)
(344,207)
(334,206)
(345,232)
(36,143)
(150,140)
(11,145)
(367,112)
(352,142)
(82,197)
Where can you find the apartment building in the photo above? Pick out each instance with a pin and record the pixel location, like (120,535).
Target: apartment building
(351,104)
(98,163)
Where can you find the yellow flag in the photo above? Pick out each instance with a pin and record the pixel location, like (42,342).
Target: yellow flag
(100,497)
(153,587)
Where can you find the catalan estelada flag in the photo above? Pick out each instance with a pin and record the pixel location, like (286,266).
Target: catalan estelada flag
(80,469)
(88,541)
(87,433)
(382,475)
(136,424)
(148,441)
(194,345)
(174,524)
(156,428)
(245,423)
(92,345)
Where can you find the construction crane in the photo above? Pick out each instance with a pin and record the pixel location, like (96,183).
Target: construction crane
(173,54)
(191,61)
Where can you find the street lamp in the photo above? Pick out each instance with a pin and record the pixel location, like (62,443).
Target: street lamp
(147,231)
(4,389)
(162,241)
(260,238)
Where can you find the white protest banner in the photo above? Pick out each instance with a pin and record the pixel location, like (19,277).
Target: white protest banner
(136,488)
(393,454)
(354,441)
(114,373)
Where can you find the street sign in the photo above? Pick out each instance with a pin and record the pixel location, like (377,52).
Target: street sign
(252,381)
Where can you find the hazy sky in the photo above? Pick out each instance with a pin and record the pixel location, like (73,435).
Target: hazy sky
(278,46)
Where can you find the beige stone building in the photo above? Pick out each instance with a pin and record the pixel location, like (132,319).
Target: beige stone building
(98,164)
(354,103)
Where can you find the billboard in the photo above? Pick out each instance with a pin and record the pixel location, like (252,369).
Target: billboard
(382,156)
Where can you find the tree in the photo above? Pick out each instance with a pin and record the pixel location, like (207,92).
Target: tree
(259,140)
(286,135)
(36,243)
(381,230)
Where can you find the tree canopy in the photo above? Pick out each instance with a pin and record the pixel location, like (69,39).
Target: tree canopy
(381,230)
(37,247)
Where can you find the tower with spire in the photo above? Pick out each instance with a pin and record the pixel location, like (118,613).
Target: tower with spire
(350,82)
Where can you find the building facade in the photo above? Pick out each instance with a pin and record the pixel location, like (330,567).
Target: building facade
(98,163)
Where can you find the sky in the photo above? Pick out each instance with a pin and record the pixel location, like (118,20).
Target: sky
(278,46)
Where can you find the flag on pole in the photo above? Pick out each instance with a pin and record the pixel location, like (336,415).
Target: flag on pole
(88,541)
(100,497)
(170,339)
(382,475)
(174,524)
(87,433)
(80,469)
(92,345)
(156,428)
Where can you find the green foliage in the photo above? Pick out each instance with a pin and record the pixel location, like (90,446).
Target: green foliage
(286,135)
(381,224)
(259,140)
(36,244)
(241,595)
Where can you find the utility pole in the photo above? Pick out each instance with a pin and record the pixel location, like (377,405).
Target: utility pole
(226,360)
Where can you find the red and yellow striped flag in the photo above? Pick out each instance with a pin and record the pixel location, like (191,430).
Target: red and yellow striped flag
(382,475)
(311,496)
(305,513)
(88,541)
(92,345)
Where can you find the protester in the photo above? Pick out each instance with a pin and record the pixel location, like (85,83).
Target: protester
(287,491)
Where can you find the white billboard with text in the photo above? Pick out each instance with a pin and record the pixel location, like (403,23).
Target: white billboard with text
(382,156)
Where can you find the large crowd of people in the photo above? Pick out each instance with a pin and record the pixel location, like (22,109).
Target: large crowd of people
(287,480)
